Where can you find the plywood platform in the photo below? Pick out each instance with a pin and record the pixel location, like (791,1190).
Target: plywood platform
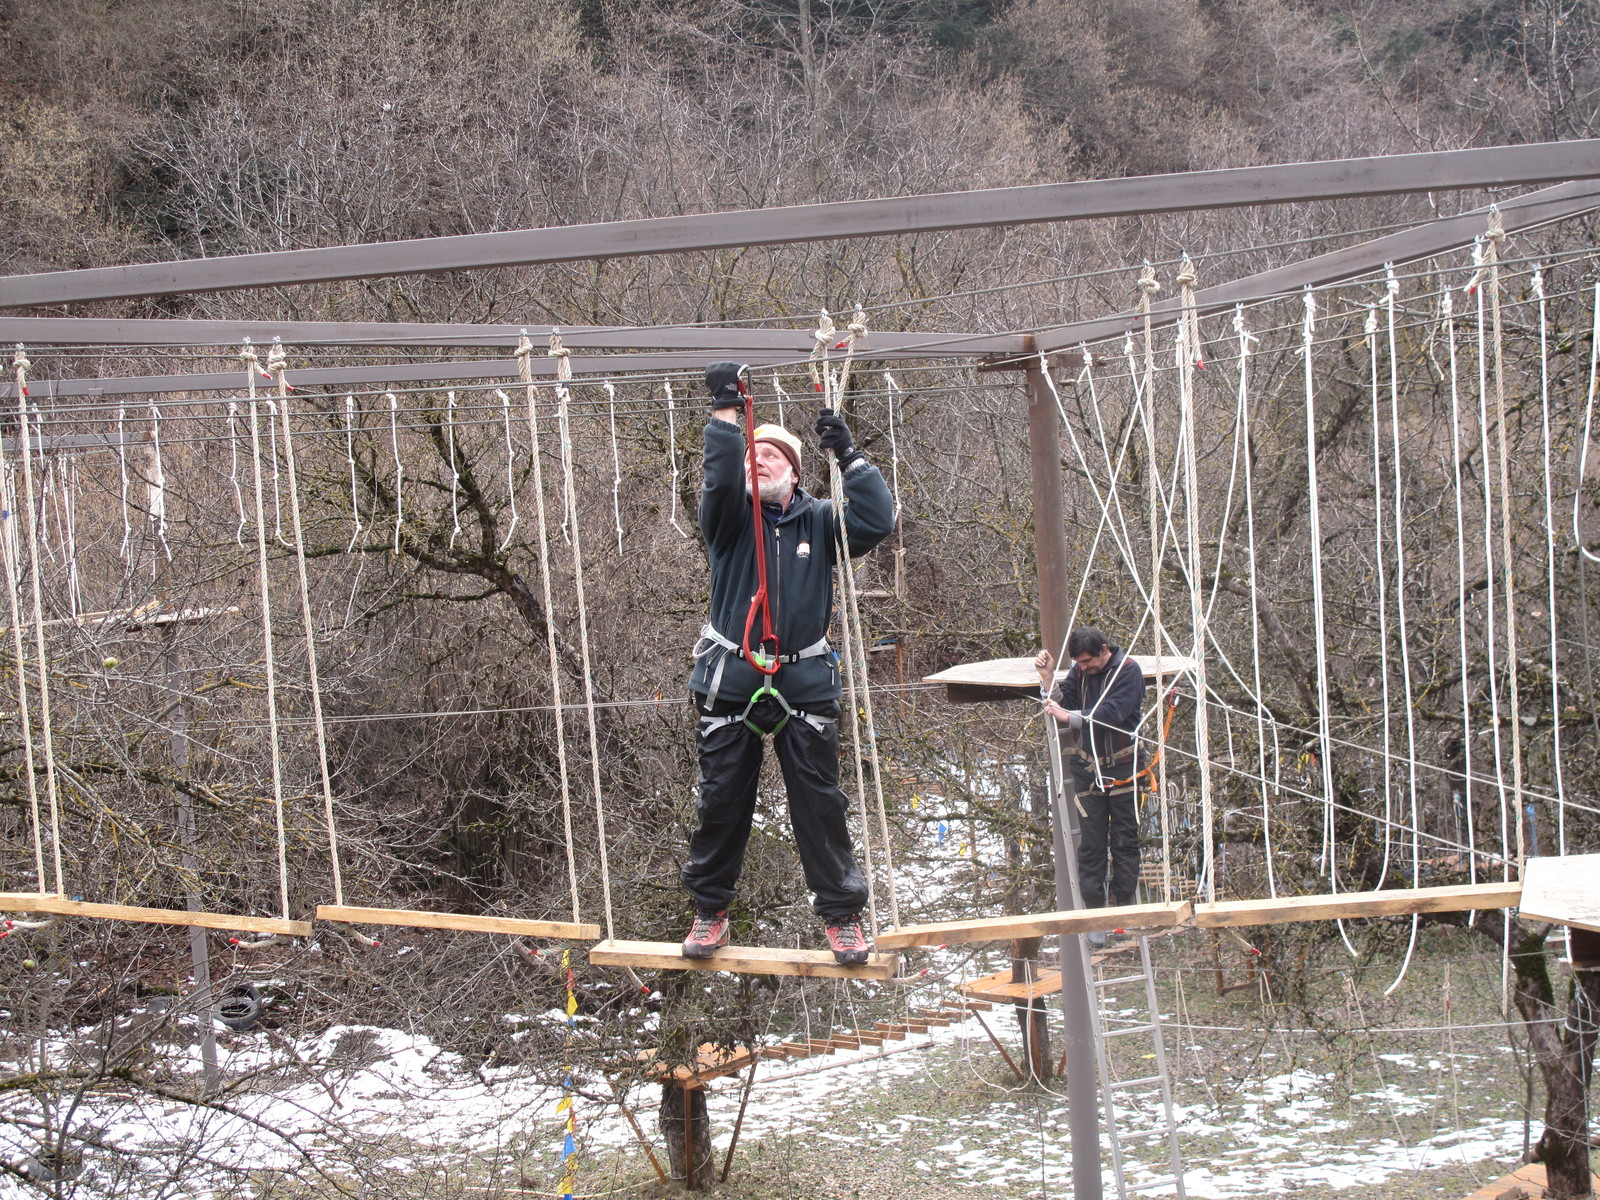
(423,919)
(1000,989)
(1009,678)
(1083,920)
(742,960)
(33,902)
(1391,902)
(1563,890)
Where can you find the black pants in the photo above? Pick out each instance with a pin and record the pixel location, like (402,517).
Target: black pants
(730,765)
(1108,823)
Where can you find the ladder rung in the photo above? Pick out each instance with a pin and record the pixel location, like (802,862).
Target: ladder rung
(1129,1029)
(1139,1082)
(1102,983)
(1158,1131)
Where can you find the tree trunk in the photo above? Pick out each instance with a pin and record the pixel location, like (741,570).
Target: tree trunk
(1564,1145)
(684,1123)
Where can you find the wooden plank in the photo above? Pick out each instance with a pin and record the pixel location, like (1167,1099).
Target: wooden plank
(1562,889)
(1528,1182)
(1000,988)
(469,922)
(36,903)
(1388,903)
(742,960)
(1492,166)
(1014,678)
(1083,920)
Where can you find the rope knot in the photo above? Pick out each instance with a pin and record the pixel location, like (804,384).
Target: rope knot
(20,359)
(1186,273)
(1496,232)
(276,359)
(1147,281)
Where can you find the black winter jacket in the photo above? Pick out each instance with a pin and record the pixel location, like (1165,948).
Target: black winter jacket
(1110,703)
(802,549)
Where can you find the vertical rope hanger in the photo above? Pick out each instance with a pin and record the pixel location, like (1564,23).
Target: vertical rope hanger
(525,370)
(832,385)
(616,462)
(1381,572)
(1492,240)
(276,362)
(122,466)
(1550,557)
(511,469)
(1189,358)
(563,358)
(1314,515)
(455,471)
(1447,313)
(1148,287)
(252,366)
(672,456)
(13,568)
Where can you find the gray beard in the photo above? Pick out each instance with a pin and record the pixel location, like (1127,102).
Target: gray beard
(774,491)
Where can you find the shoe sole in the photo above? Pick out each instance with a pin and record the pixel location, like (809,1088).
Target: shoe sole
(850,958)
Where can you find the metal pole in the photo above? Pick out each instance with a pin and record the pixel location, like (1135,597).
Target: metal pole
(1050,551)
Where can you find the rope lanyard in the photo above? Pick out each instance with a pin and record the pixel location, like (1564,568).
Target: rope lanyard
(761,602)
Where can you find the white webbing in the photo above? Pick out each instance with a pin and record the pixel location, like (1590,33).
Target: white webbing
(233,470)
(511,468)
(350,460)
(672,456)
(158,484)
(455,471)
(276,363)
(616,462)
(525,370)
(399,467)
(1381,573)
(122,465)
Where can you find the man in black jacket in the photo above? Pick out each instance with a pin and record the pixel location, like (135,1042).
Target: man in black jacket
(797,705)
(1100,700)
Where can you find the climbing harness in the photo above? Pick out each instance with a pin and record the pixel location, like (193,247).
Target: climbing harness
(710,638)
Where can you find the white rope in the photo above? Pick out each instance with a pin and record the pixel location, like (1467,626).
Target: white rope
(1314,514)
(1371,331)
(777,385)
(69,496)
(1492,241)
(1550,559)
(264,588)
(1447,312)
(894,391)
(1189,358)
(455,472)
(158,484)
(525,370)
(672,457)
(511,467)
(272,455)
(1145,389)
(1588,425)
(12,569)
(276,363)
(233,469)
(399,467)
(1246,339)
(122,464)
(569,473)
(350,460)
(1391,290)
(616,462)
(42,662)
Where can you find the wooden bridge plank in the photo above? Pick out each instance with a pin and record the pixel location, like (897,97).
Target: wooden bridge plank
(1561,889)
(33,902)
(425,919)
(1085,920)
(1388,903)
(742,960)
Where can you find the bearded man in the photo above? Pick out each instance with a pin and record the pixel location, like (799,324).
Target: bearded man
(740,705)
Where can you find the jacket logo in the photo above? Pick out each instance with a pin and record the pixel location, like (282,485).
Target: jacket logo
(803,550)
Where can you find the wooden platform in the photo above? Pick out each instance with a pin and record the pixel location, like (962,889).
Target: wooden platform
(33,902)
(1084,920)
(1392,902)
(1525,1183)
(1563,890)
(710,1062)
(1011,678)
(999,988)
(425,919)
(743,960)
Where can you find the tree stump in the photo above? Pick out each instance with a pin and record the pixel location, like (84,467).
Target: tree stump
(686,1127)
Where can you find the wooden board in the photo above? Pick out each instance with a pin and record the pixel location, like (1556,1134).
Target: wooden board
(1084,920)
(1525,1183)
(1000,988)
(1562,890)
(1388,903)
(33,902)
(1009,677)
(710,1062)
(424,919)
(742,960)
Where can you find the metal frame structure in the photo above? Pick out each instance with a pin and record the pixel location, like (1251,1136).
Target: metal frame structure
(1491,167)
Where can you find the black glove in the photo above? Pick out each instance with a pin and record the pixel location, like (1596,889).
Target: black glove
(722,381)
(834,435)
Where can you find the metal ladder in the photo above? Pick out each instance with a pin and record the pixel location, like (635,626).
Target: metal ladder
(1103,979)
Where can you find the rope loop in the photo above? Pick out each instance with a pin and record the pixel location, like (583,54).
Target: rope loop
(1148,286)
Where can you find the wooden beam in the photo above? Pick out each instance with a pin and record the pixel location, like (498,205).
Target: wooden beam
(1086,920)
(468,922)
(31,902)
(1015,678)
(741,960)
(1562,889)
(1390,174)
(1388,903)
(795,343)
(1421,241)
(999,987)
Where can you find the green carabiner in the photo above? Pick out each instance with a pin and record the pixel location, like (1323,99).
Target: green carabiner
(761,693)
